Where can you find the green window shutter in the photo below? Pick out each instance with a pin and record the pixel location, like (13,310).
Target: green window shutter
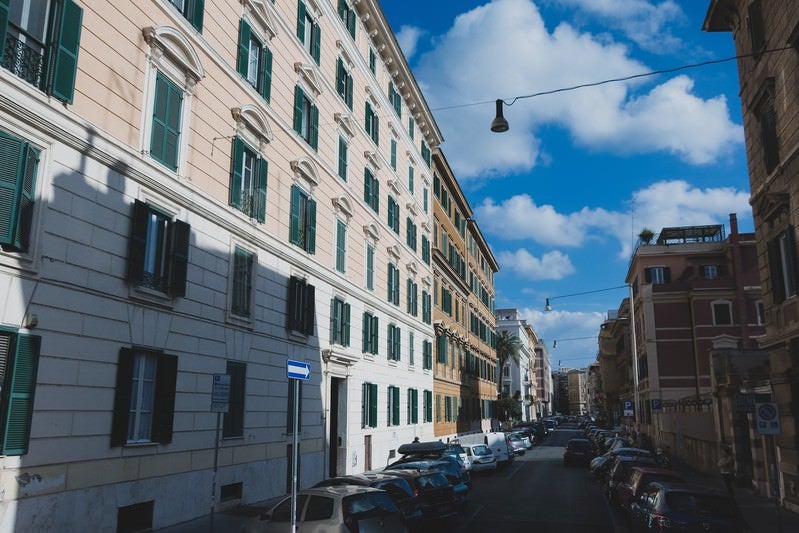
(137,242)
(12,160)
(346,331)
(24,218)
(311,226)
(243,59)
(166,122)
(390,218)
(373,404)
(301,21)
(351,22)
(178,267)
(197,15)
(390,281)
(334,315)
(370,268)
(236,173)
(314,142)
(299,96)
(415,407)
(263,172)
(342,158)
(394,154)
(389,338)
(348,93)
(397,344)
(368,120)
(122,393)
(340,77)
(310,308)
(166,377)
(366,322)
(294,221)
(367,186)
(341,245)
(376,195)
(266,76)
(395,411)
(3,20)
(364,404)
(316,38)
(20,384)
(375,333)
(67,44)
(233,420)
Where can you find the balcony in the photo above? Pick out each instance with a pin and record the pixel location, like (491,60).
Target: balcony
(24,56)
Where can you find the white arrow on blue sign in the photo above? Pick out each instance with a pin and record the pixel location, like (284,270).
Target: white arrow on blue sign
(298,370)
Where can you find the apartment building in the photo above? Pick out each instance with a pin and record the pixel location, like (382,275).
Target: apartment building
(518,375)
(195,188)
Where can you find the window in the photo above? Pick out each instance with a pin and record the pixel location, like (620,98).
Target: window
(410,233)
(158,251)
(410,348)
(192,10)
(144,400)
(395,99)
(426,153)
(438,408)
(393,215)
(248,179)
(372,124)
(233,421)
(19,361)
(306,118)
(254,61)
(412,297)
(658,275)
(428,406)
(394,340)
(393,406)
(301,306)
(344,82)
(165,133)
(410,179)
(757,32)
(41,44)
(393,284)
(413,406)
(369,333)
(302,225)
(342,158)
(442,348)
(427,355)
(710,271)
(241,294)
(425,249)
(426,308)
(424,199)
(767,117)
(341,246)
(761,312)
(722,313)
(319,508)
(446,301)
(372,60)
(782,265)
(394,154)
(308,31)
(348,16)
(370,267)
(369,405)
(411,125)
(17,192)
(371,190)
(339,322)
(294,385)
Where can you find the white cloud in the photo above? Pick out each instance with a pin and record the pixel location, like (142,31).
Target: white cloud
(576,333)
(661,204)
(643,22)
(503,49)
(408,37)
(551,265)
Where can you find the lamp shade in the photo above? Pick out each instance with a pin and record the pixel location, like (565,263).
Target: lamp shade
(499,124)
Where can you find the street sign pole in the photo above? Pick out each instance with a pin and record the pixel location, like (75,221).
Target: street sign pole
(220,403)
(294,457)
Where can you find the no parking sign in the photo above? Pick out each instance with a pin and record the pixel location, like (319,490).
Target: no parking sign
(767,418)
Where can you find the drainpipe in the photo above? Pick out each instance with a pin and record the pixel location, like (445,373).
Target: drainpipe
(737,271)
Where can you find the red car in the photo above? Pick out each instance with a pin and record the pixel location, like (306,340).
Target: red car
(631,488)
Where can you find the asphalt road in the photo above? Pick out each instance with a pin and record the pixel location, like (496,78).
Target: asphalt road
(537,493)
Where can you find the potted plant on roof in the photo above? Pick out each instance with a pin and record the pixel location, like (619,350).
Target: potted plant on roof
(646,235)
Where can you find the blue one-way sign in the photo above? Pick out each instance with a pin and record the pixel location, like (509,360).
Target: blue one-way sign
(298,370)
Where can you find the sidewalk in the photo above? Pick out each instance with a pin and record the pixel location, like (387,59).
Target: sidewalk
(228,521)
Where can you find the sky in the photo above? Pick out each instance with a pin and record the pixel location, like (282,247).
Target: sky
(561,196)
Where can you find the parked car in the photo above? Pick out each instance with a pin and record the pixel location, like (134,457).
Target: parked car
(341,509)
(496,442)
(456,450)
(431,450)
(578,452)
(399,488)
(516,443)
(434,496)
(600,464)
(461,483)
(480,457)
(528,444)
(663,506)
(630,489)
(620,470)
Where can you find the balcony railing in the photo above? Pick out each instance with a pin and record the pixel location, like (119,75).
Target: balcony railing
(24,56)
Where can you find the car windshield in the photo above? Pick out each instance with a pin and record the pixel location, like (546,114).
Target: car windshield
(454,449)
(369,504)
(701,504)
(579,445)
(432,481)
(481,450)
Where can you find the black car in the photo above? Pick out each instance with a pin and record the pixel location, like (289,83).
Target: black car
(434,494)
(620,469)
(434,450)
(694,508)
(461,485)
(578,452)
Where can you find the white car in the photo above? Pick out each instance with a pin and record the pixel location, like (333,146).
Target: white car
(480,457)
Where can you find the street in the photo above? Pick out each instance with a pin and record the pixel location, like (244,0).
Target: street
(537,493)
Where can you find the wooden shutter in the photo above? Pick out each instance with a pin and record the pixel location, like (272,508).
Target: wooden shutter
(341,245)
(67,44)
(243,59)
(138,242)
(20,385)
(389,341)
(367,186)
(790,260)
(237,159)
(166,376)
(375,334)
(340,81)
(365,323)
(180,234)
(12,164)
(373,404)
(294,220)
(334,320)
(342,159)
(395,406)
(26,199)
(351,22)
(198,9)
(293,383)
(310,230)
(122,394)
(266,75)
(292,300)
(299,96)
(263,171)
(316,38)
(346,325)
(3,20)
(301,21)
(233,420)
(310,308)
(314,140)
(364,404)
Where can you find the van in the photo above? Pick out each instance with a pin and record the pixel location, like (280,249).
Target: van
(496,441)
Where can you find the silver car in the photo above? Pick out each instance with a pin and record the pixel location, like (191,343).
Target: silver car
(339,509)
(480,457)
(517,444)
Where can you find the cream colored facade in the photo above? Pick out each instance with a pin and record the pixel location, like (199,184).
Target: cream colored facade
(70,288)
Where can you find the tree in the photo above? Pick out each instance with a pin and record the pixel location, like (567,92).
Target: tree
(508,348)
(507,409)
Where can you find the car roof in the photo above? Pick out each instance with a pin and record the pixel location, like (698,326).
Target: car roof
(693,488)
(338,490)
(580,440)
(656,470)
(626,449)
(412,472)
(412,448)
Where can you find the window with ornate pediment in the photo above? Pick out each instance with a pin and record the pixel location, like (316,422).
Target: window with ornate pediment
(308,30)
(249,168)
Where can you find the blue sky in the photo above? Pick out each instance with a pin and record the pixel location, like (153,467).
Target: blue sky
(561,195)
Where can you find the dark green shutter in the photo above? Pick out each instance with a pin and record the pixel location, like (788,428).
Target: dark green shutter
(266,87)
(395,414)
(291,308)
(243,60)
(316,37)
(26,199)
(178,267)
(233,420)
(314,124)
(342,158)
(166,122)
(310,308)
(122,393)
(351,22)
(334,322)
(237,160)
(415,407)
(365,323)
(367,186)
(19,388)
(301,21)
(12,163)
(138,242)
(67,44)
(294,221)
(368,120)
(346,332)
(341,245)
(364,404)
(197,15)
(389,341)
(3,20)
(375,334)
(391,214)
(263,171)
(166,376)
(310,231)
(373,404)
(390,282)
(299,96)
(348,94)
(340,74)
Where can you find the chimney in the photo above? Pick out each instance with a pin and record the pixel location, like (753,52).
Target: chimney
(733,224)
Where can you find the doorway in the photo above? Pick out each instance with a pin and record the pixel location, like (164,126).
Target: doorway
(337,427)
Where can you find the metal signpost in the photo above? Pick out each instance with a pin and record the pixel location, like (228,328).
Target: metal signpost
(220,403)
(767,418)
(296,370)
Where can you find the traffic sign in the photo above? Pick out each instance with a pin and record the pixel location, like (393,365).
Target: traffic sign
(220,393)
(298,370)
(767,418)
(627,408)
(657,404)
